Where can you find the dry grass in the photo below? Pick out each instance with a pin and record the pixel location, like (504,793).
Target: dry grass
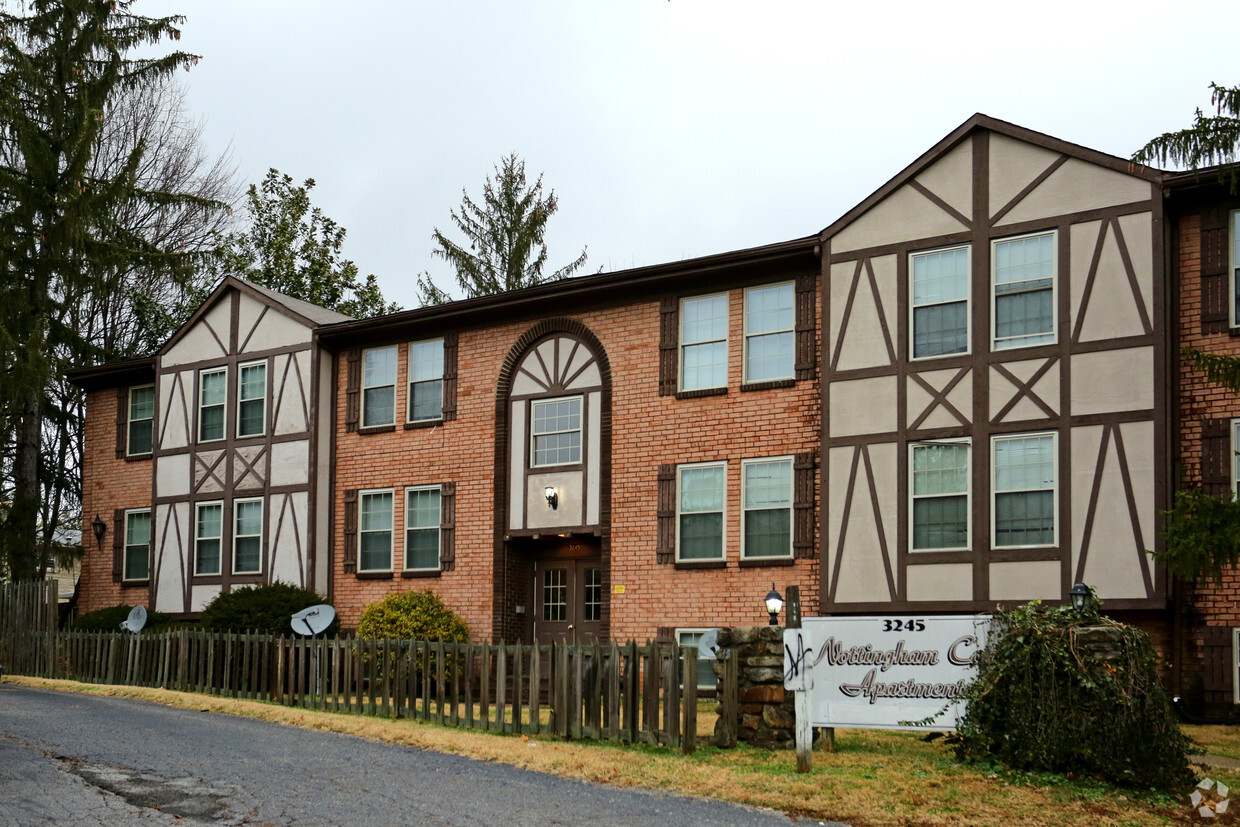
(873,778)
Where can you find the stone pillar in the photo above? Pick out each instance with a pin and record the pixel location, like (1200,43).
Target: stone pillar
(766,714)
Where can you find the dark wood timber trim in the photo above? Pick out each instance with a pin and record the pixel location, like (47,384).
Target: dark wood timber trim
(1030,187)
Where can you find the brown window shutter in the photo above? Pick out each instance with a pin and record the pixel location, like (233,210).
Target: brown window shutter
(349,558)
(665,548)
(1216,457)
(450,342)
(1216,663)
(665,634)
(1215,258)
(669,346)
(447,526)
(806,357)
(353,389)
(803,505)
(122,422)
(118,545)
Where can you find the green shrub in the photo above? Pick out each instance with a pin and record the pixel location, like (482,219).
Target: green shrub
(266,609)
(1043,703)
(412,615)
(109,620)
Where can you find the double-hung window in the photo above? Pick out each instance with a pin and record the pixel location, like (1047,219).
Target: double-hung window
(208,526)
(940,507)
(141,417)
(700,511)
(556,435)
(252,400)
(422,520)
(1024,286)
(1233,270)
(1235,461)
(426,381)
(704,342)
(212,395)
(940,302)
(766,513)
(1024,469)
(770,324)
(375,532)
(379,386)
(247,555)
(137,544)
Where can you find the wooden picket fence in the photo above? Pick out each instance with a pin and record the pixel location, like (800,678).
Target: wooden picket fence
(29,605)
(629,693)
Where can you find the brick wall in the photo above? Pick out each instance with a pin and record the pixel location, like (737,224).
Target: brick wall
(108,483)
(647,430)
(1210,610)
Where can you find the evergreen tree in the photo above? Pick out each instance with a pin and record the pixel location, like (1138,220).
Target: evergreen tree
(504,248)
(61,62)
(293,248)
(1212,139)
(1201,534)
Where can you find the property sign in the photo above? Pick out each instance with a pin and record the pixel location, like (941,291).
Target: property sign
(877,672)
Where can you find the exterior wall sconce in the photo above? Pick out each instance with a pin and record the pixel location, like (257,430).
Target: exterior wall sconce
(1080,595)
(100,528)
(553,499)
(774,603)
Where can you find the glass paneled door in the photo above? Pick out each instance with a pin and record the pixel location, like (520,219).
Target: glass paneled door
(568,600)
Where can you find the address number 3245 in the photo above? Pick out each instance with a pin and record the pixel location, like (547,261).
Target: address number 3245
(897,625)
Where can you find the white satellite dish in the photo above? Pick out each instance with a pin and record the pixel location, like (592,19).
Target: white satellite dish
(313,620)
(135,621)
(708,643)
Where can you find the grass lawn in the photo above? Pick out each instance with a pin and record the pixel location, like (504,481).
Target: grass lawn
(874,776)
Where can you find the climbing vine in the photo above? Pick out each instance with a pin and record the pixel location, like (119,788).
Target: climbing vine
(1043,702)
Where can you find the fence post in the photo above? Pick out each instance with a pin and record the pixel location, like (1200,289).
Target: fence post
(689,723)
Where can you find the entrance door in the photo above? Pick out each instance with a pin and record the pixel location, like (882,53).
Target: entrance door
(568,600)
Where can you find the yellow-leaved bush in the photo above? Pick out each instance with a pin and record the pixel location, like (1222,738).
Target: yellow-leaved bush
(412,615)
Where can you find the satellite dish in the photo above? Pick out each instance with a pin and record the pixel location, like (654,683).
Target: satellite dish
(313,620)
(708,643)
(135,621)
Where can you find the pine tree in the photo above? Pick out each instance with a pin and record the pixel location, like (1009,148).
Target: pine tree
(505,248)
(293,248)
(1212,139)
(61,61)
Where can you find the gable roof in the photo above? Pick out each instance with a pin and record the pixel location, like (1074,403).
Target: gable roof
(310,315)
(1020,133)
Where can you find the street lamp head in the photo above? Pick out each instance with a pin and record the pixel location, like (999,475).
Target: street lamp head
(774,604)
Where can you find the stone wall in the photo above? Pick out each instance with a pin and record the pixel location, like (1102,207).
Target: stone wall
(765,711)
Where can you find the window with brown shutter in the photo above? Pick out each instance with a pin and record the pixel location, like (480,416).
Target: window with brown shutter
(805,356)
(450,342)
(1216,664)
(803,505)
(122,422)
(353,389)
(665,548)
(1216,457)
(349,556)
(669,343)
(447,526)
(118,545)
(1215,259)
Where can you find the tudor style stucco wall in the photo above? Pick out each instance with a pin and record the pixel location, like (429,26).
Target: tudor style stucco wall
(647,430)
(1097,387)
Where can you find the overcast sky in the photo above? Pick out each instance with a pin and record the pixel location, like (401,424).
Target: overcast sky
(667,129)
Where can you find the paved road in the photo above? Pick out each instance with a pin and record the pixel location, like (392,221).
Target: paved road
(67,758)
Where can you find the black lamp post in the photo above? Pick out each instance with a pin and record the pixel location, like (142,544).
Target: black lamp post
(99,527)
(774,603)
(1080,595)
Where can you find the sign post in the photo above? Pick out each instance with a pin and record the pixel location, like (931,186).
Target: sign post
(799,685)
